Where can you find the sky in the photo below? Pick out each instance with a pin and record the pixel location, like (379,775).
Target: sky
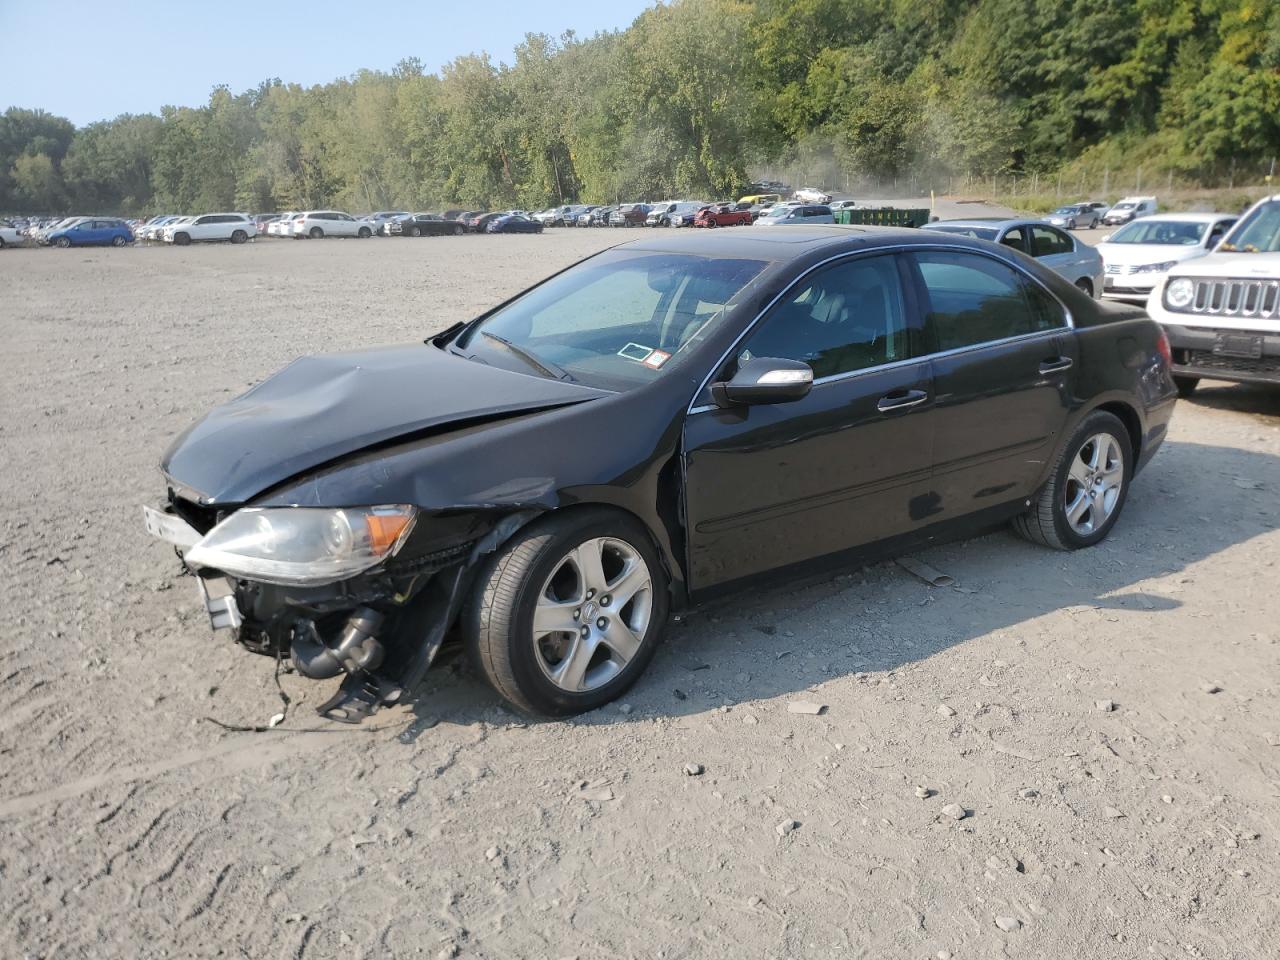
(92,60)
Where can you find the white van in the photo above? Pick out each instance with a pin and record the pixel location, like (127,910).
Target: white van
(1130,209)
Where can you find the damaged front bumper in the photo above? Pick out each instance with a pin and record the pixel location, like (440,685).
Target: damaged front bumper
(380,630)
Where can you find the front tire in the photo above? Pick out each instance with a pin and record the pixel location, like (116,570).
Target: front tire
(1084,496)
(1186,385)
(62,243)
(364,233)
(568,613)
(182,239)
(415,232)
(459,230)
(239,236)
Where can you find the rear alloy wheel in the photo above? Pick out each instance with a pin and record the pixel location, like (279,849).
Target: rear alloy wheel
(1082,500)
(566,616)
(239,237)
(1186,385)
(117,241)
(316,233)
(415,231)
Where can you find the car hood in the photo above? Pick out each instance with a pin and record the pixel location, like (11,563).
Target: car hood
(320,409)
(1137,254)
(1243,265)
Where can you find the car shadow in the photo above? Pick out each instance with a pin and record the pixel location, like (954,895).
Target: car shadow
(1256,398)
(879,618)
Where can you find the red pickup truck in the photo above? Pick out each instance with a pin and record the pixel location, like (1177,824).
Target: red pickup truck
(723,215)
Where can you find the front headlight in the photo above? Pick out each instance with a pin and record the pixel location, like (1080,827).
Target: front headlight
(1155,267)
(303,546)
(1179,293)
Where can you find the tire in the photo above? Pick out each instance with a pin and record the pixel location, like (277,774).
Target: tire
(117,241)
(711,224)
(1,243)
(538,568)
(1186,385)
(62,243)
(239,236)
(415,232)
(1093,224)
(459,230)
(364,233)
(1085,285)
(664,222)
(316,233)
(182,239)
(1071,224)
(1086,456)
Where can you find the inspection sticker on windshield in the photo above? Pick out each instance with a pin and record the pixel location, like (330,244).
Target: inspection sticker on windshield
(636,351)
(657,359)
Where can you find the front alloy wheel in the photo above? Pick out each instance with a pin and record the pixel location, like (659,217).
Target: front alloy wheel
(567,614)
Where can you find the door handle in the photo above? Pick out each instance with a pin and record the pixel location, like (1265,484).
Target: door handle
(1056,365)
(901,399)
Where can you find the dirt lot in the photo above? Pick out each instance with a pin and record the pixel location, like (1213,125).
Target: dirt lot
(130,826)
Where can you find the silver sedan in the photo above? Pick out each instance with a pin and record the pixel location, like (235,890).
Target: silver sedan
(1055,248)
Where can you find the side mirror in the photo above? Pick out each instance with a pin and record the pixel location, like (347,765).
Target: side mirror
(765,380)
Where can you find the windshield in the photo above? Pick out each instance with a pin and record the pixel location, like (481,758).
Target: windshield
(1066,211)
(977,233)
(1257,232)
(1123,206)
(617,321)
(1170,233)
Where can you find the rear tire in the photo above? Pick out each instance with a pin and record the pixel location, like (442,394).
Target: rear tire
(415,232)
(1064,515)
(1085,285)
(364,233)
(239,237)
(459,230)
(116,241)
(182,239)
(1186,385)
(605,646)
(316,233)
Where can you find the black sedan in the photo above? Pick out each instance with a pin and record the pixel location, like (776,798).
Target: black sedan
(422,225)
(512,223)
(665,421)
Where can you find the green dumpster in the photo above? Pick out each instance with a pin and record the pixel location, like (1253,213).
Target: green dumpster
(882,217)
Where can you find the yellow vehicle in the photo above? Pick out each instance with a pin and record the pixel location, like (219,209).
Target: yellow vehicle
(761,198)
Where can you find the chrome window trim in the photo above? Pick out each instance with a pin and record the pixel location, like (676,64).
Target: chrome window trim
(884,251)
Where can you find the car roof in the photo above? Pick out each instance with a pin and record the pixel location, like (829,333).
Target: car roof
(784,243)
(1185,217)
(998,223)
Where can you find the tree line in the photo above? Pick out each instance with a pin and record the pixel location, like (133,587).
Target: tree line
(691,99)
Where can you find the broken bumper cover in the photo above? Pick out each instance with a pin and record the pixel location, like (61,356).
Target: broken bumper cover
(380,628)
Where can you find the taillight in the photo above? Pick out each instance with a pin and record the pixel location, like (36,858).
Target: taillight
(1162,344)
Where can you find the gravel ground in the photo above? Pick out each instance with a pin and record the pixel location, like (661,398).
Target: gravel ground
(1105,723)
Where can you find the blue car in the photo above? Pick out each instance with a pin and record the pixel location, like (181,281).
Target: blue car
(512,224)
(93,233)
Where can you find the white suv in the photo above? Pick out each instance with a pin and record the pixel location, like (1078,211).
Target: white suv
(235,227)
(812,195)
(330,223)
(1222,312)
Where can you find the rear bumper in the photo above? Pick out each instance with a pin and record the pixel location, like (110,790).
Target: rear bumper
(1198,352)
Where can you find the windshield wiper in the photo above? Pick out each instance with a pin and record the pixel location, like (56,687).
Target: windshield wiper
(546,366)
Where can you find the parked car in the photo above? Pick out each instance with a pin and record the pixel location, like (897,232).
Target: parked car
(264,220)
(423,225)
(1139,253)
(1073,259)
(659,214)
(599,217)
(685,212)
(150,229)
(44,231)
(752,199)
(629,215)
(791,215)
(843,205)
(283,227)
(10,235)
(811,195)
(828,394)
(512,223)
(472,219)
(210,228)
(723,215)
(95,231)
(1074,215)
(1222,311)
(378,219)
(452,214)
(1130,208)
(316,224)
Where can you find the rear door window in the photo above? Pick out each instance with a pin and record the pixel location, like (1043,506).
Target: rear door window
(1016,238)
(1046,241)
(973,299)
